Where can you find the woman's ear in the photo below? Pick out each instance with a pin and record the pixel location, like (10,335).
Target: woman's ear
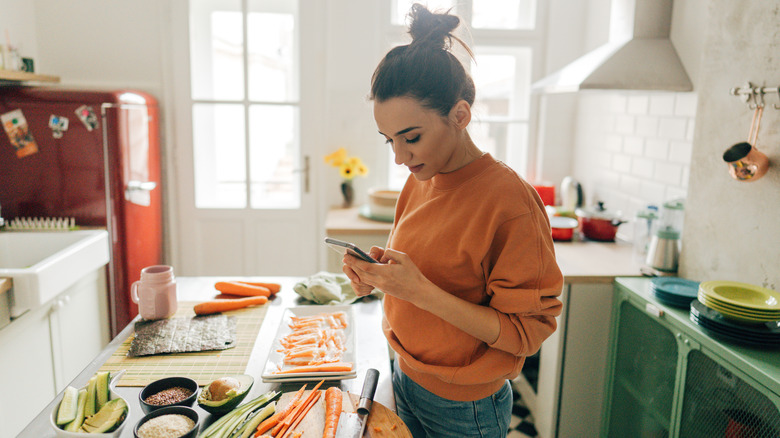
(460,114)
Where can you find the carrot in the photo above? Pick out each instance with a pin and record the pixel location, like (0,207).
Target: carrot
(216,306)
(273,420)
(289,418)
(333,399)
(301,414)
(323,368)
(273,287)
(243,289)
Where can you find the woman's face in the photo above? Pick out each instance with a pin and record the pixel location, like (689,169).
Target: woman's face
(421,138)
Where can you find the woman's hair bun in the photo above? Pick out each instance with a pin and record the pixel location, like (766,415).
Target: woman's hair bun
(431,29)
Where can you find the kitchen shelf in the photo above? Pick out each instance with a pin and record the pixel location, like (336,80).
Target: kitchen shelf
(21,76)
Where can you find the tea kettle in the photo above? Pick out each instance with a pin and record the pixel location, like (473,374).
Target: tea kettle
(571,194)
(664,251)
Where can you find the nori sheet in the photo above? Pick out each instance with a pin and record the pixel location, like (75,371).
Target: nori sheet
(181,335)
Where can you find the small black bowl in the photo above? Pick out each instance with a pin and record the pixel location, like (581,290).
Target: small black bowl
(182,410)
(166,383)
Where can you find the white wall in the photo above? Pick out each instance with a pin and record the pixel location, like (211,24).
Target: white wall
(732,230)
(17,24)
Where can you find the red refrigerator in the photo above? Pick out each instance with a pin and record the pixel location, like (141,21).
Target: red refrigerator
(94,156)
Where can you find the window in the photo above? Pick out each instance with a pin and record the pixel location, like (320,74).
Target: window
(245,103)
(506,38)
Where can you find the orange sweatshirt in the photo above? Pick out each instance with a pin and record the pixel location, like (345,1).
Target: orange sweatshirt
(480,233)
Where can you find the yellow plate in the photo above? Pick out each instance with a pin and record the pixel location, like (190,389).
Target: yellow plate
(743,309)
(742,294)
(734,315)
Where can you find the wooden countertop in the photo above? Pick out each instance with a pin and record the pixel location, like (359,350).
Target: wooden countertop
(580,261)
(372,351)
(349,221)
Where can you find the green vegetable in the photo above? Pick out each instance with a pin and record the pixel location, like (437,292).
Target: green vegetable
(75,425)
(226,425)
(91,403)
(68,406)
(250,426)
(101,391)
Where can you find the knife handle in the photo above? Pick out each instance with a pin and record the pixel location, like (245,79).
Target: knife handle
(369,388)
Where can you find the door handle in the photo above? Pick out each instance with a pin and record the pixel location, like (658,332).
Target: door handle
(141,185)
(305,171)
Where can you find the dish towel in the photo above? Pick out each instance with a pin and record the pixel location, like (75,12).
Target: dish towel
(328,288)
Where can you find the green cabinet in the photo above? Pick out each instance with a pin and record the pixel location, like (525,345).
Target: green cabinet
(666,378)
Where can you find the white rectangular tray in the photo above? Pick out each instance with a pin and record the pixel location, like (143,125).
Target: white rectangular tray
(275,358)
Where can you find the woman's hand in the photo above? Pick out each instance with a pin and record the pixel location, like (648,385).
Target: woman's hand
(361,288)
(396,275)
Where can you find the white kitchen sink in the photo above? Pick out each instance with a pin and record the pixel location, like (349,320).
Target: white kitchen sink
(43,264)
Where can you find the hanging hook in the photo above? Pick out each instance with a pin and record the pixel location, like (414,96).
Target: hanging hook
(774,105)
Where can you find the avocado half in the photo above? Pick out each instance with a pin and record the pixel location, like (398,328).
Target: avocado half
(224,394)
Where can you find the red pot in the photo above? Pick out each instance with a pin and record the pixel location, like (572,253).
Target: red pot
(563,228)
(599,224)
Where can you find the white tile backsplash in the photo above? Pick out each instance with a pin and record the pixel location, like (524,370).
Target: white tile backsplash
(662,104)
(646,126)
(672,127)
(642,156)
(657,148)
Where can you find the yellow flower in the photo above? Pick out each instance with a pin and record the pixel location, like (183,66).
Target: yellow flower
(336,158)
(349,167)
(347,171)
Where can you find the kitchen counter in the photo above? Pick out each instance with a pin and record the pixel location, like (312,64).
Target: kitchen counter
(579,260)
(372,351)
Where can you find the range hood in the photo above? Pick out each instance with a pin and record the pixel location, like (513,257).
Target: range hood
(638,56)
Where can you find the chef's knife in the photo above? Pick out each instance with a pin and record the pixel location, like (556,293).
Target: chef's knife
(352,425)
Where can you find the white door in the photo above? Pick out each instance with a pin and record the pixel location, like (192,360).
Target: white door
(245,85)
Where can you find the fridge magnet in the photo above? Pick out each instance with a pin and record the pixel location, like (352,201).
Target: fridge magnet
(58,125)
(18,132)
(87,116)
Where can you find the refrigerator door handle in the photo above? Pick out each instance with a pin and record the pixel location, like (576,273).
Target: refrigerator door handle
(141,185)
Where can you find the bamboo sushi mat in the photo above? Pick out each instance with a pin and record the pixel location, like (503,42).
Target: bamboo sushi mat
(203,367)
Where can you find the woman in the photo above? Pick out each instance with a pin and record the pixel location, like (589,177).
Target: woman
(469,272)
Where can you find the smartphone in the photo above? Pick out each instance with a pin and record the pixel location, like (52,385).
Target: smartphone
(341,246)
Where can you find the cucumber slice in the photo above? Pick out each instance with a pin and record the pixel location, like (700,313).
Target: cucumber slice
(101,391)
(89,407)
(68,407)
(75,425)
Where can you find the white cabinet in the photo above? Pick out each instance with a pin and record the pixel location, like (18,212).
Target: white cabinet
(44,349)
(572,361)
(26,370)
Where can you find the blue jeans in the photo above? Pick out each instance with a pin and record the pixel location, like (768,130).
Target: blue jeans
(428,415)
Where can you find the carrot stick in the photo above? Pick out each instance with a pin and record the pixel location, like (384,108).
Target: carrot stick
(287,420)
(323,367)
(271,421)
(216,306)
(333,399)
(273,287)
(243,289)
(302,414)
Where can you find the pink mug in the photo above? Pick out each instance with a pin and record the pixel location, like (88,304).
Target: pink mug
(155,292)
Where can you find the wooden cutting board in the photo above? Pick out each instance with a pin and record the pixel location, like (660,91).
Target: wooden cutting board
(382,422)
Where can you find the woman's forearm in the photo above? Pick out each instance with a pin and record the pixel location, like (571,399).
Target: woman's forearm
(482,322)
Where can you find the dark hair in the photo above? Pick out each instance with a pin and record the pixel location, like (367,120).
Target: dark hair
(425,69)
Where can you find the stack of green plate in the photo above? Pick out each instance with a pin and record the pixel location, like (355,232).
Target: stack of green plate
(741,302)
